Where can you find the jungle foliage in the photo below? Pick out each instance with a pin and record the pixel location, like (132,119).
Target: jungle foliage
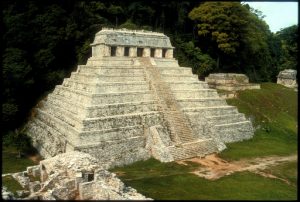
(43,41)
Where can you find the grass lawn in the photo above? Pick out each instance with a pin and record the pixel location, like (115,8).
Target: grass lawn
(11,184)
(273,110)
(11,163)
(173,181)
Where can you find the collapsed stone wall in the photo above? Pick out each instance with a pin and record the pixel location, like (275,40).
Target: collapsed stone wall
(288,78)
(71,176)
(230,82)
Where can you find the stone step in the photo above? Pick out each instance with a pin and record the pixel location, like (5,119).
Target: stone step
(74,95)
(62,114)
(117,66)
(111,70)
(233,132)
(105,98)
(70,105)
(199,113)
(120,109)
(48,140)
(225,119)
(194,85)
(204,124)
(109,87)
(201,93)
(92,111)
(114,134)
(201,102)
(164,62)
(69,132)
(179,77)
(147,119)
(121,61)
(118,152)
(193,149)
(85,77)
(175,70)
(79,85)
(113,98)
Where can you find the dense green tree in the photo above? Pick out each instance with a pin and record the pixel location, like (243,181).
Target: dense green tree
(232,34)
(289,46)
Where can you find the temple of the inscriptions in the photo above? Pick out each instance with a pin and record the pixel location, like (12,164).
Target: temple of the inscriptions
(132,101)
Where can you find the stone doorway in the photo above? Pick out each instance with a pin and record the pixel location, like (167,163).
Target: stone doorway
(140,52)
(126,51)
(152,52)
(113,51)
(164,53)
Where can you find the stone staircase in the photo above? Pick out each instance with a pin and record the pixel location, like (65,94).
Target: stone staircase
(185,143)
(208,114)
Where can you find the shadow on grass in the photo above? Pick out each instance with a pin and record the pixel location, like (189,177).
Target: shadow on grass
(11,162)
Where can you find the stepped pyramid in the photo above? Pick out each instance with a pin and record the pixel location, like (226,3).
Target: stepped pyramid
(132,101)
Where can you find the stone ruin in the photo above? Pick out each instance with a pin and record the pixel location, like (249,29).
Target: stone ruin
(132,101)
(288,78)
(230,82)
(70,176)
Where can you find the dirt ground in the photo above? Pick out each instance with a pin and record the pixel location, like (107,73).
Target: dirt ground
(213,167)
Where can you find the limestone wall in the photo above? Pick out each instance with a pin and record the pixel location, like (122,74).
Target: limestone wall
(119,39)
(288,78)
(230,82)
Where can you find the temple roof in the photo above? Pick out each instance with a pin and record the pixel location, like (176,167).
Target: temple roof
(125,37)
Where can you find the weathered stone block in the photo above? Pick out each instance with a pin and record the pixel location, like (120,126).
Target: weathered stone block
(86,190)
(62,193)
(22,193)
(288,78)
(34,186)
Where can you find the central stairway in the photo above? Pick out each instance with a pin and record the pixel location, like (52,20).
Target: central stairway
(185,143)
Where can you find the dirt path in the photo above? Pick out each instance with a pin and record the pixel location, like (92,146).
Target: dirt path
(213,167)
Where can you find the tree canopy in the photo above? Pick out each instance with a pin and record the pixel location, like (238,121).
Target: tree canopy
(229,31)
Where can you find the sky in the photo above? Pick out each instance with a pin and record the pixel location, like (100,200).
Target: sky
(278,14)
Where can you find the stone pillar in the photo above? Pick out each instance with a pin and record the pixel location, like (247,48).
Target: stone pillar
(100,50)
(146,52)
(120,51)
(132,51)
(158,53)
(169,53)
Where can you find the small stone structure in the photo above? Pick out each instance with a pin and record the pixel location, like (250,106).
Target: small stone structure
(132,101)
(230,82)
(288,78)
(71,176)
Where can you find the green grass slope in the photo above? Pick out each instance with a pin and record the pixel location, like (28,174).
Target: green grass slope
(273,110)
(11,163)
